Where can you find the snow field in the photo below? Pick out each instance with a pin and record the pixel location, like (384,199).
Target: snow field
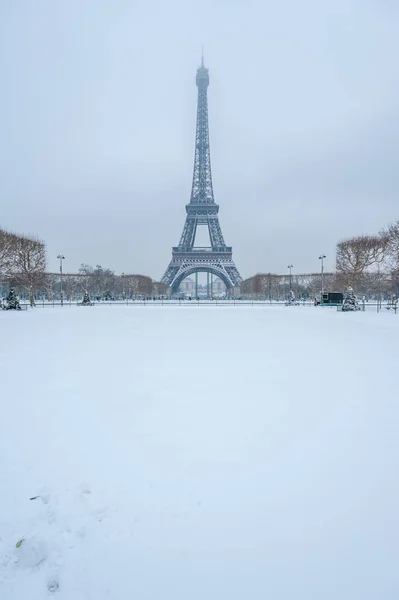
(198,452)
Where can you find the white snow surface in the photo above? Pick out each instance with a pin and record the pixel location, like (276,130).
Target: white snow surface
(199,453)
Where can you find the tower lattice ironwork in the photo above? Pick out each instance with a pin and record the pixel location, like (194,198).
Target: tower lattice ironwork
(202,210)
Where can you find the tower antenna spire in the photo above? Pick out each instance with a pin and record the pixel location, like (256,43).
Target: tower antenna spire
(202,55)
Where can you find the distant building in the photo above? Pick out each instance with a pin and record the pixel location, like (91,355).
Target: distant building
(218,286)
(187,286)
(159,289)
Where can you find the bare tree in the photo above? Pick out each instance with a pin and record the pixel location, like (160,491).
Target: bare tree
(355,256)
(137,285)
(70,284)
(393,248)
(104,280)
(97,281)
(49,281)
(393,235)
(7,245)
(29,264)
(86,279)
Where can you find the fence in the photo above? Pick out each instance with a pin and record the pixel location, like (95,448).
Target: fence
(364,306)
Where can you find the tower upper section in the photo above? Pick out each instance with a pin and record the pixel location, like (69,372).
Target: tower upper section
(202,190)
(202,78)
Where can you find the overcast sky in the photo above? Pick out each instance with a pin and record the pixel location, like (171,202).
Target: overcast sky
(97,124)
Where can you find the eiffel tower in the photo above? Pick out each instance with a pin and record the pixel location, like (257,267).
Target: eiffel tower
(202,210)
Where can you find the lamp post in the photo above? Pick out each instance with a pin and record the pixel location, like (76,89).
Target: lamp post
(379,289)
(123,286)
(61,257)
(290,267)
(322,257)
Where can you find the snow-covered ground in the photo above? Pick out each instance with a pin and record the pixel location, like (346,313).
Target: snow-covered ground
(199,453)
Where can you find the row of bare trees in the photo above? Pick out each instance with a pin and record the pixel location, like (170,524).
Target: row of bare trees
(370,261)
(100,283)
(23,266)
(22,262)
(270,286)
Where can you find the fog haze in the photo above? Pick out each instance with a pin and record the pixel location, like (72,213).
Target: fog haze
(97,125)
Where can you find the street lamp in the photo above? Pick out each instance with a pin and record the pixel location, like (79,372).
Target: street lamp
(61,257)
(290,267)
(123,286)
(322,257)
